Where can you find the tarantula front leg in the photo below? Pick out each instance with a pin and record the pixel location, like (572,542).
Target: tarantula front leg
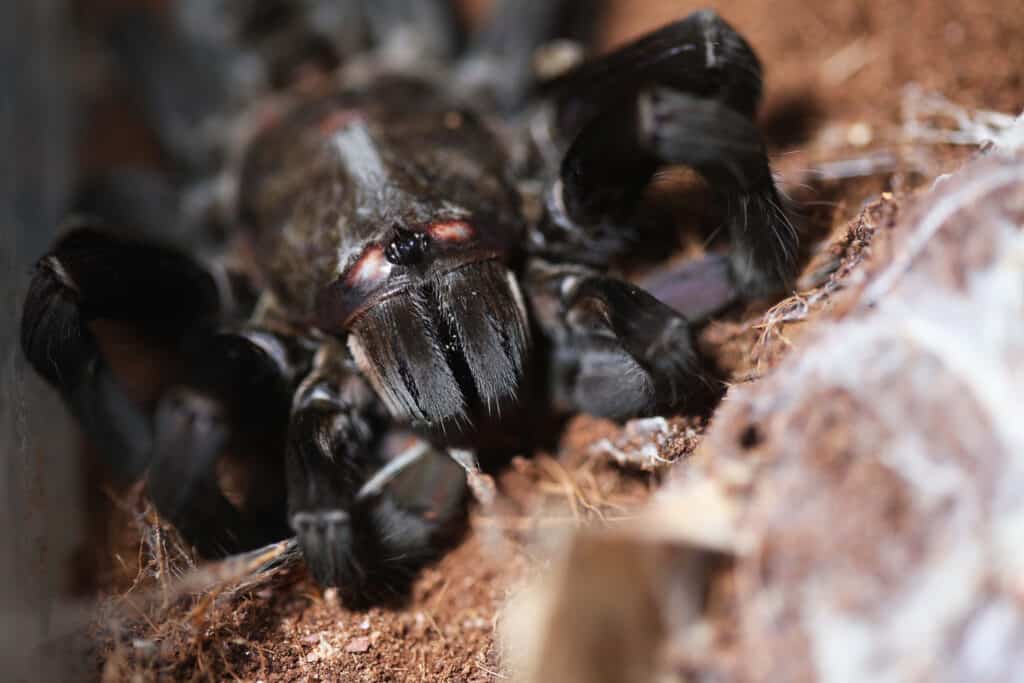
(368,504)
(91,275)
(234,398)
(615,155)
(616,350)
(700,54)
(681,96)
(231,390)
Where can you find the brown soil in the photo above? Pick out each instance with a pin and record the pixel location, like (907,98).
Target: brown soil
(834,78)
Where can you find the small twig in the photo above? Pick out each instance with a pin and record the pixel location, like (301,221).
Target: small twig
(433,623)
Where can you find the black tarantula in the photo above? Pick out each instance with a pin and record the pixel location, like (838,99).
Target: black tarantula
(401,240)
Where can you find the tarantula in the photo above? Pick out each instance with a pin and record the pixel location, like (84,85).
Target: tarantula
(403,244)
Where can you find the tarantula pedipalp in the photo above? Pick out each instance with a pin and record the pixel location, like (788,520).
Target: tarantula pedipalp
(431,245)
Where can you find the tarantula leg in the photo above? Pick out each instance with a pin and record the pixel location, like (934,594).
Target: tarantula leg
(236,399)
(190,432)
(330,456)
(365,521)
(617,351)
(87,276)
(502,59)
(700,54)
(696,289)
(413,29)
(614,156)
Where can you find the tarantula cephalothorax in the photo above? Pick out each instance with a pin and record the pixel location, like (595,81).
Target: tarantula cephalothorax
(428,233)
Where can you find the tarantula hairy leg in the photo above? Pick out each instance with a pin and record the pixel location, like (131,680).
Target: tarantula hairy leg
(234,399)
(365,521)
(90,275)
(618,351)
(686,96)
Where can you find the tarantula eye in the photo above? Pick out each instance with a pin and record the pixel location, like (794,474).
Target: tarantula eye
(406,248)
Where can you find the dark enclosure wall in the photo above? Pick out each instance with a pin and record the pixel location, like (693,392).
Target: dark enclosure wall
(39,503)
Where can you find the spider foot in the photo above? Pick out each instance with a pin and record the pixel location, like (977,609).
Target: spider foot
(189,433)
(619,352)
(366,520)
(325,537)
(235,403)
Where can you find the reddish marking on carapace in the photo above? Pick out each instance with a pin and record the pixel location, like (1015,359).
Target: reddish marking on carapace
(337,120)
(451,231)
(370,269)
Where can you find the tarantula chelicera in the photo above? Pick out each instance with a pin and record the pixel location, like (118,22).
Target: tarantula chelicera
(399,243)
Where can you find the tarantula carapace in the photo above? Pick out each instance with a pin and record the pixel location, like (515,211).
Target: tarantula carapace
(429,236)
